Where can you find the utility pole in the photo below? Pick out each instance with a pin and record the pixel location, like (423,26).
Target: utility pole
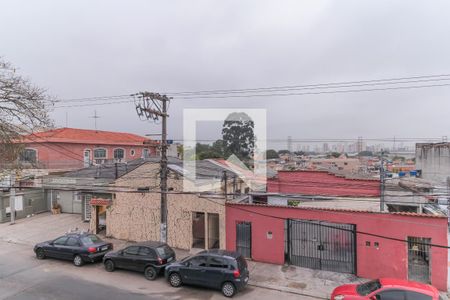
(225,181)
(12,197)
(382,181)
(152,106)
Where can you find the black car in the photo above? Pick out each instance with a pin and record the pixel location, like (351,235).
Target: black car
(78,247)
(147,257)
(217,269)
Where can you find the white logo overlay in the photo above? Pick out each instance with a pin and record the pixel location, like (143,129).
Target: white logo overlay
(200,178)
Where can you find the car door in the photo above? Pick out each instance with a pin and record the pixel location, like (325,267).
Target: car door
(55,247)
(195,270)
(216,271)
(417,296)
(71,247)
(147,256)
(128,258)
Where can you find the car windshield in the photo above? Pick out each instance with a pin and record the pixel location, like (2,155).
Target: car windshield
(164,251)
(90,239)
(365,289)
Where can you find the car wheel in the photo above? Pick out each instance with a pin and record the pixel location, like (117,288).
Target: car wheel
(109,265)
(40,253)
(78,261)
(228,289)
(150,273)
(175,280)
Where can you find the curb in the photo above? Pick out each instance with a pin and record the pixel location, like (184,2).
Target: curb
(285,290)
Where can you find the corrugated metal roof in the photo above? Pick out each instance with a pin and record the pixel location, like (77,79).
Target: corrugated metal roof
(409,214)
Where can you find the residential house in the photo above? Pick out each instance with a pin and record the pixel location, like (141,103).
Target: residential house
(71,148)
(196,219)
(367,244)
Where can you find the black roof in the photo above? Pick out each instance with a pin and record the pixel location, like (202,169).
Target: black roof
(220,252)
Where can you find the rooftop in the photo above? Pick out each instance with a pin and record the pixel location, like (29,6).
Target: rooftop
(85,136)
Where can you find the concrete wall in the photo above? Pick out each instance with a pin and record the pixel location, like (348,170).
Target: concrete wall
(390,259)
(136,217)
(434,161)
(33,201)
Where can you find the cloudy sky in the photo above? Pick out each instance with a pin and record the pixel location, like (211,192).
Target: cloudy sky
(99,48)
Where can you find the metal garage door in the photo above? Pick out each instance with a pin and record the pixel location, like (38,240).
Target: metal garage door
(244,239)
(321,245)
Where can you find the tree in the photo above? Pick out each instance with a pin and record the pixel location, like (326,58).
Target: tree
(283,152)
(271,154)
(365,153)
(23,109)
(238,137)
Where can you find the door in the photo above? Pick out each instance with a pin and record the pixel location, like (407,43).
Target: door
(146,257)
(321,245)
(195,271)
(244,239)
(216,271)
(69,249)
(419,259)
(56,248)
(87,158)
(128,259)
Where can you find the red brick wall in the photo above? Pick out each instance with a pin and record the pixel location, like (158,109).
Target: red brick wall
(66,155)
(389,260)
(321,183)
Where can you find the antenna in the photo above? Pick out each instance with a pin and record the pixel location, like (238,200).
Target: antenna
(95,117)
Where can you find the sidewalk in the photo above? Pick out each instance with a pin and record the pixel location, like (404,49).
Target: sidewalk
(289,279)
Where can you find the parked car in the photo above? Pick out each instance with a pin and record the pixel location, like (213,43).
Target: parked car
(386,289)
(78,247)
(217,269)
(149,258)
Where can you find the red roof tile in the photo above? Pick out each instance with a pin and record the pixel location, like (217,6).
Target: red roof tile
(85,136)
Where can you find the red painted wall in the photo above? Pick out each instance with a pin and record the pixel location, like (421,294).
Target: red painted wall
(389,260)
(68,155)
(321,183)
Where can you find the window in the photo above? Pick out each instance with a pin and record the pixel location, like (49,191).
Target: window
(391,295)
(217,262)
(119,154)
(365,289)
(199,261)
(164,251)
(147,252)
(417,296)
(60,241)
(72,242)
(133,152)
(99,153)
(133,250)
(90,239)
(28,155)
(145,153)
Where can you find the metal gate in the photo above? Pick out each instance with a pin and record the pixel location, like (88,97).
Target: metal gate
(321,245)
(419,259)
(244,239)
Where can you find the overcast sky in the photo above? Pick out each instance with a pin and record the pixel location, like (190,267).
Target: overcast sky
(99,48)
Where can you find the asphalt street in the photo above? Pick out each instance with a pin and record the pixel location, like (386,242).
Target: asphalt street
(22,276)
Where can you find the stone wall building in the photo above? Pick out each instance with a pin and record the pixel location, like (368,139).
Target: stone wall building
(195,220)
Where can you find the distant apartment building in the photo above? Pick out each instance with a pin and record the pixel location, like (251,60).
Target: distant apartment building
(71,148)
(433,161)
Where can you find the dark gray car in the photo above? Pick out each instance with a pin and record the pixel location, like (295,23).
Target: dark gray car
(149,258)
(217,269)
